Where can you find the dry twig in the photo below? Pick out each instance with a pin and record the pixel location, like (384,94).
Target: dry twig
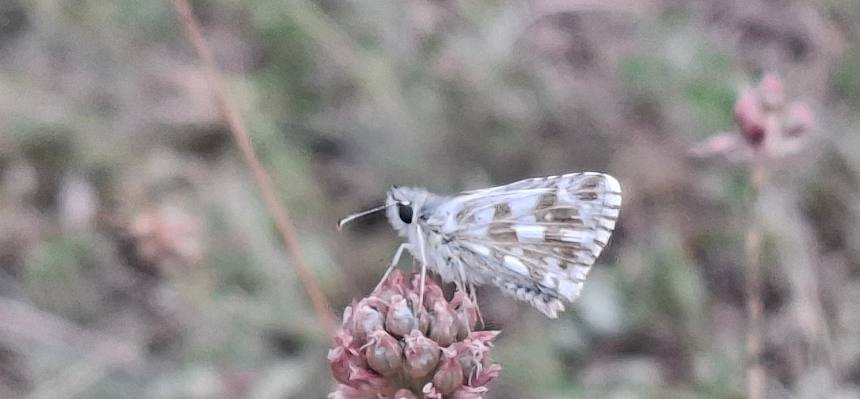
(756,375)
(264,183)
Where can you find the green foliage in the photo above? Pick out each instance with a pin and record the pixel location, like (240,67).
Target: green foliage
(645,71)
(58,278)
(537,366)
(678,287)
(711,98)
(846,79)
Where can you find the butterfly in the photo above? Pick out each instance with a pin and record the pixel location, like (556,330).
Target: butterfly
(535,239)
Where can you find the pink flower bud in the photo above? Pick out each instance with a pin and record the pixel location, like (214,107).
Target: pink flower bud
(423,320)
(430,392)
(422,355)
(728,145)
(486,375)
(383,353)
(472,353)
(432,291)
(348,392)
(367,319)
(443,326)
(394,285)
(464,355)
(339,363)
(347,314)
(468,392)
(486,338)
(750,118)
(799,119)
(343,339)
(400,320)
(449,376)
(771,91)
(467,314)
(363,378)
(404,394)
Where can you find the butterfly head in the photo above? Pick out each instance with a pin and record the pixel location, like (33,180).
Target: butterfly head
(403,206)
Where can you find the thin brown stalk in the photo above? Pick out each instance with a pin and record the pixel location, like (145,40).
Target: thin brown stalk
(756,374)
(237,128)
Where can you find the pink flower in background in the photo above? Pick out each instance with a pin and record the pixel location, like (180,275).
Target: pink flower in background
(389,346)
(750,117)
(767,125)
(167,235)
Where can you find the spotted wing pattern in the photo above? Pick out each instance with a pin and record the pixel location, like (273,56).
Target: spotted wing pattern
(536,239)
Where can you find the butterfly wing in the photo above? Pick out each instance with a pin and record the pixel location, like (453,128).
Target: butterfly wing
(536,239)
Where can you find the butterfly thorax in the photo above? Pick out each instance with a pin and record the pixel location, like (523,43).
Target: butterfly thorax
(430,217)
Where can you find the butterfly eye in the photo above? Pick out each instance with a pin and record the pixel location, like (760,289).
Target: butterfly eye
(405,212)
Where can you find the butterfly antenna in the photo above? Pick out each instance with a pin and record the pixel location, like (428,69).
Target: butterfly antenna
(349,218)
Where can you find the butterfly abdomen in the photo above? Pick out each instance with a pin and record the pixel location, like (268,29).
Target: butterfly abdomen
(546,302)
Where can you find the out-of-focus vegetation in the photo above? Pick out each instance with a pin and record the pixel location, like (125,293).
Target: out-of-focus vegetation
(136,259)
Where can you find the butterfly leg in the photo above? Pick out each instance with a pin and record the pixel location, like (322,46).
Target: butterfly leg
(473,295)
(461,283)
(423,253)
(392,265)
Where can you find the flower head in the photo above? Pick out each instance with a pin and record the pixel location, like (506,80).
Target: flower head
(768,125)
(390,346)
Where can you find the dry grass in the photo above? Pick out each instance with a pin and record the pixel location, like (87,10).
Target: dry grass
(128,217)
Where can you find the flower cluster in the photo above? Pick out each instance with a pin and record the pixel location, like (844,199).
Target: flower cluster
(768,124)
(390,346)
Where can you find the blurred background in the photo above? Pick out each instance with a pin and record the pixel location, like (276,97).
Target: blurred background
(137,261)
